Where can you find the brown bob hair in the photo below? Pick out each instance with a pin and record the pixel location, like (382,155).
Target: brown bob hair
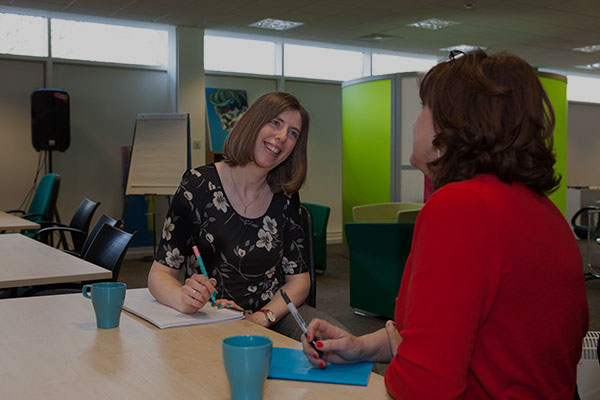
(288,176)
(491,115)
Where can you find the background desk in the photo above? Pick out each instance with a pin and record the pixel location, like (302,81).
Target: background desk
(50,348)
(27,262)
(12,223)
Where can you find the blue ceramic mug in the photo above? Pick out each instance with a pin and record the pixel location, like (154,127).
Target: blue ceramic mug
(247,359)
(107,298)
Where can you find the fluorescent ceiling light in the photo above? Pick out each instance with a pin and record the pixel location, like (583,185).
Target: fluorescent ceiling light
(375,37)
(589,66)
(433,24)
(588,49)
(465,48)
(277,24)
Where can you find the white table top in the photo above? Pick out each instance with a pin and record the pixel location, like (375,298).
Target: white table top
(12,223)
(27,262)
(50,348)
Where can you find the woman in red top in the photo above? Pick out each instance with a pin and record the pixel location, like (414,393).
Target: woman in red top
(492,302)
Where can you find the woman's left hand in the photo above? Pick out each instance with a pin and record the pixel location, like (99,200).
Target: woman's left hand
(394,337)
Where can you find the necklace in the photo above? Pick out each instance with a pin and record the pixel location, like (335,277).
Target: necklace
(240,195)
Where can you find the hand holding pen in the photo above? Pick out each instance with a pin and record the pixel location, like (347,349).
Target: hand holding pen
(299,320)
(197,290)
(335,344)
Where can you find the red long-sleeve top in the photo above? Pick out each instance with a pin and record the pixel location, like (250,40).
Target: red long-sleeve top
(492,302)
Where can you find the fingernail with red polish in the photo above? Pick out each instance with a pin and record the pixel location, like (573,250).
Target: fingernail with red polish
(308,338)
(322,364)
(319,344)
(315,355)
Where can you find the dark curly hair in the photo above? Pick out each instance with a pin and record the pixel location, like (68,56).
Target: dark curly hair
(491,115)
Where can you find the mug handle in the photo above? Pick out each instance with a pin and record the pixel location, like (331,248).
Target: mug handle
(84,290)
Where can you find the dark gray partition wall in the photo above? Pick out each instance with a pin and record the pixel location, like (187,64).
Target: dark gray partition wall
(583,144)
(104,105)
(18,159)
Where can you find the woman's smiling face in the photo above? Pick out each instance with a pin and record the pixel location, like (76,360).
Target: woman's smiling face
(276,139)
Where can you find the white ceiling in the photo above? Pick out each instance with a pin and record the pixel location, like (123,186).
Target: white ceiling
(541,31)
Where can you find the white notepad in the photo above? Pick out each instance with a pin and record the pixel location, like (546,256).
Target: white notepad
(141,303)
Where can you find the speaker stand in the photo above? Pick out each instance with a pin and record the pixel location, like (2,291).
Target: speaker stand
(62,238)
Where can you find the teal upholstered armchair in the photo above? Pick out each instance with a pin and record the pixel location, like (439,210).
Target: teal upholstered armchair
(378,253)
(43,205)
(320,216)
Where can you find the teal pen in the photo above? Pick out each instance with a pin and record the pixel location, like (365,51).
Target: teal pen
(203,268)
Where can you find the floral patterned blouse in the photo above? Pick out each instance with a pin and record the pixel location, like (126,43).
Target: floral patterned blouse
(249,257)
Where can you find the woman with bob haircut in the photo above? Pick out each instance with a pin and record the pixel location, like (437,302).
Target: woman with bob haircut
(492,303)
(243,215)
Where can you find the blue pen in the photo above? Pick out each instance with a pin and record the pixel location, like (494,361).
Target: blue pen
(203,268)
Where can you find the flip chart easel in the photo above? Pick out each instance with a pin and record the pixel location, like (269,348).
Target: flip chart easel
(160,153)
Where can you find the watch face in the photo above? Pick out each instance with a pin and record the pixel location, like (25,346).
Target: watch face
(270,315)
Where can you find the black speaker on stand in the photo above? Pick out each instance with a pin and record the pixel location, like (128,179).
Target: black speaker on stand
(50,126)
(50,121)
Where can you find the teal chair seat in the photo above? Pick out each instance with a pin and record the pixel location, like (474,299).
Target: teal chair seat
(320,217)
(378,254)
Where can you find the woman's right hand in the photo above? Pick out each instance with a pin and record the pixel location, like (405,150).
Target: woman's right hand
(336,345)
(195,293)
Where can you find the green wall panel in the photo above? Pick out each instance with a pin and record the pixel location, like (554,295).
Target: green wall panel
(366,127)
(557,92)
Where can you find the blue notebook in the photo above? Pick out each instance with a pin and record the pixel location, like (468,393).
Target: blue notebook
(292,364)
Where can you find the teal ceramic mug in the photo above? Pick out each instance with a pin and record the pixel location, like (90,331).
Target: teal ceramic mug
(108,299)
(247,359)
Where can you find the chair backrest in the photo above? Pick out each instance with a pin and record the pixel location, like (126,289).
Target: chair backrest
(307,226)
(320,217)
(383,212)
(407,215)
(378,254)
(44,199)
(81,220)
(108,249)
(104,219)
(581,229)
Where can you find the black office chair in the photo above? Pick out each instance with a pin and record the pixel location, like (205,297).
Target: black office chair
(307,226)
(108,249)
(581,229)
(104,219)
(77,228)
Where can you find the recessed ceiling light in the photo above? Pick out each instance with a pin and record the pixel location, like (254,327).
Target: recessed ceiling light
(588,49)
(277,24)
(463,47)
(375,37)
(589,66)
(433,24)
